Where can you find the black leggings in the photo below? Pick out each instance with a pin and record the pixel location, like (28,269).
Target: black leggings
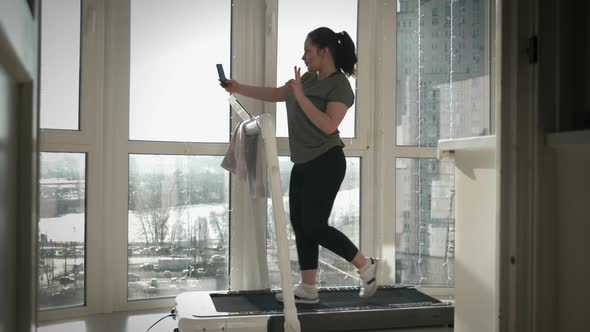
(312,191)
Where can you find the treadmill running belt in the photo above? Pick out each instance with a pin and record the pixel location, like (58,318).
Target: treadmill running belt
(336,299)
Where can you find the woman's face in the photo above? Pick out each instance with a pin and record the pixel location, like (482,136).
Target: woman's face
(312,56)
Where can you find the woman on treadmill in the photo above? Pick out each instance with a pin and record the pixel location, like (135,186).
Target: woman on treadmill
(316,105)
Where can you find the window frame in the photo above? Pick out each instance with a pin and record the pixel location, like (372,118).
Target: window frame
(86,140)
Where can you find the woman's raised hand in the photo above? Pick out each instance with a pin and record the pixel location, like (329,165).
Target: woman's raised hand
(232,86)
(295,84)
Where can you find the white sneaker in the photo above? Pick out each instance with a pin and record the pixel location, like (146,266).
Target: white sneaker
(304,293)
(368,275)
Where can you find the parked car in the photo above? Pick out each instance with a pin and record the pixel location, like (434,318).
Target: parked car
(132,277)
(149,267)
(154,286)
(67,280)
(217,260)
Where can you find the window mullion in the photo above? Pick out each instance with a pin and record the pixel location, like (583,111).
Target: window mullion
(251,32)
(117,36)
(383,123)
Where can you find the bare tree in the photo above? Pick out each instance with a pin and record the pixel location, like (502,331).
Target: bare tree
(48,266)
(203,237)
(155,204)
(177,228)
(154,224)
(219,224)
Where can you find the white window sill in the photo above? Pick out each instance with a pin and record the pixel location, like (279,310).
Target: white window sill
(447,147)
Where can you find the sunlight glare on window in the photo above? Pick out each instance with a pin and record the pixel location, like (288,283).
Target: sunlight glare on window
(174,92)
(60,65)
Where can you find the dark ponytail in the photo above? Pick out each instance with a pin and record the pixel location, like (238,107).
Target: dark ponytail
(341,46)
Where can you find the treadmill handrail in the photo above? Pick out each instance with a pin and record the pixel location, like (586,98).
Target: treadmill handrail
(264,124)
(238,108)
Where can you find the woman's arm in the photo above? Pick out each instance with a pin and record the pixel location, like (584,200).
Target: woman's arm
(328,121)
(258,92)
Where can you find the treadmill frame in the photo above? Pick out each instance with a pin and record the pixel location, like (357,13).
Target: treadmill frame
(196,312)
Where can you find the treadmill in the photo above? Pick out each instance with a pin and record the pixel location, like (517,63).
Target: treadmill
(339,309)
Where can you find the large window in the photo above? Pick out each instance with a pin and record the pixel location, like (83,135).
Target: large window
(62,224)
(178,208)
(443,91)
(63,188)
(135,207)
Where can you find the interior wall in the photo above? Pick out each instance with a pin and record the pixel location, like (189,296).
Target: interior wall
(8,201)
(564,83)
(18,165)
(573,229)
(572,173)
(476,281)
(573,28)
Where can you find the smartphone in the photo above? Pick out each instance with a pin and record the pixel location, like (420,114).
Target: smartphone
(221,74)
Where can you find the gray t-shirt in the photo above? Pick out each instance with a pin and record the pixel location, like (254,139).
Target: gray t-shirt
(307,141)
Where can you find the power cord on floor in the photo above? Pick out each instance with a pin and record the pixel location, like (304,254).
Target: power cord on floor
(172,314)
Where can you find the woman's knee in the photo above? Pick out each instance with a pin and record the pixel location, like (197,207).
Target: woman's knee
(315,231)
